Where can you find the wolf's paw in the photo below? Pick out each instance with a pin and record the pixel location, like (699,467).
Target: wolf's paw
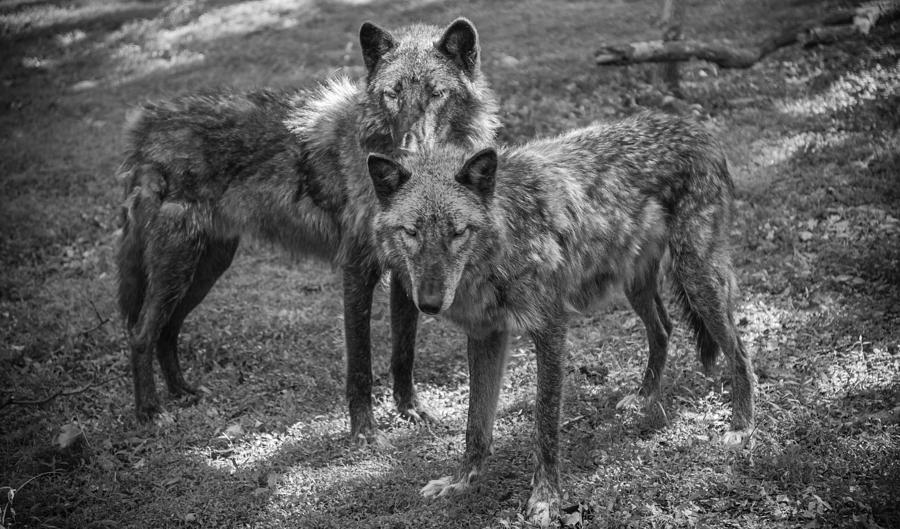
(181,388)
(447,485)
(148,409)
(364,430)
(185,399)
(634,402)
(419,415)
(543,508)
(372,438)
(164,420)
(738,439)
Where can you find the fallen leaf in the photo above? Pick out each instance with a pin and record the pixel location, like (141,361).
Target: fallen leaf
(164,419)
(234,432)
(571,519)
(630,402)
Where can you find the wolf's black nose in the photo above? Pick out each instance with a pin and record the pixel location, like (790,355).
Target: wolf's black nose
(430,308)
(430,303)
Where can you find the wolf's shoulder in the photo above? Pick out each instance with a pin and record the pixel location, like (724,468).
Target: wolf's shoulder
(313,113)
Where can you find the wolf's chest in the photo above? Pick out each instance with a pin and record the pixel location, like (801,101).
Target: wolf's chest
(492,304)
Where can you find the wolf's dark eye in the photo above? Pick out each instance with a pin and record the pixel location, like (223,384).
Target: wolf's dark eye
(461,232)
(439,94)
(410,231)
(390,94)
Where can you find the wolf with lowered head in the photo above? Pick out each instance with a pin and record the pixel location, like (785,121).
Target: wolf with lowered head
(519,239)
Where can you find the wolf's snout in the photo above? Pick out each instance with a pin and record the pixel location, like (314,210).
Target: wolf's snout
(430,299)
(409,142)
(430,305)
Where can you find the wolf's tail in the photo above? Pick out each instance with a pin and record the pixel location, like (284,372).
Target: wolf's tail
(702,274)
(144,187)
(706,344)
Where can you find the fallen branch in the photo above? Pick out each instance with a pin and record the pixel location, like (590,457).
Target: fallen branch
(83,333)
(11,494)
(828,29)
(11,401)
(672,21)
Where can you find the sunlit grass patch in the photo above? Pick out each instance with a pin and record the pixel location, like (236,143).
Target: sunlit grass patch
(236,19)
(774,151)
(847,91)
(44,15)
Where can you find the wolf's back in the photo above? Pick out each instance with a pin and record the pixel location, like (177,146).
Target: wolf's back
(664,156)
(191,141)
(615,167)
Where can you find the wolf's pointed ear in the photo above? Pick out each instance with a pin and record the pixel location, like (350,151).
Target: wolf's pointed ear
(386,174)
(375,42)
(479,172)
(460,43)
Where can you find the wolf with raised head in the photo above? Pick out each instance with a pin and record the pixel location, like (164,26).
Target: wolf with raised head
(289,167)
(518,240)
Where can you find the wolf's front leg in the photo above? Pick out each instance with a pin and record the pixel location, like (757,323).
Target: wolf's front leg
(359,283)
(543,506)
(404,321)
(487,356)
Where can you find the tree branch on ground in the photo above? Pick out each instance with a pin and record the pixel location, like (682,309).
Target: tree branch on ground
(12,401)
(671,23)
(830,28)
(11,494)
(84,332)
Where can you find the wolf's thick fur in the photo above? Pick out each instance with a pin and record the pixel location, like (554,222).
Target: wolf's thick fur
(203,170)
(521,239)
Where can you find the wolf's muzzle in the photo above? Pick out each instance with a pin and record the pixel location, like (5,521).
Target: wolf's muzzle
(430,297)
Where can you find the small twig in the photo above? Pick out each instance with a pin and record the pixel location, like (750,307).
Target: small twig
(751,442)
(32,478)
(97,312)
(84,332)
(13,491)
(571,421)
(60,393)
(665,416)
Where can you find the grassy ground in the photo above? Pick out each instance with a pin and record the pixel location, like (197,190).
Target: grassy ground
(815,148)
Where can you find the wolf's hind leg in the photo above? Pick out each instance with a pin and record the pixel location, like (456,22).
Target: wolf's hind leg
(708,284)
(216,258)
(663,314)
(643,295)
(404,321)
(173,248)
